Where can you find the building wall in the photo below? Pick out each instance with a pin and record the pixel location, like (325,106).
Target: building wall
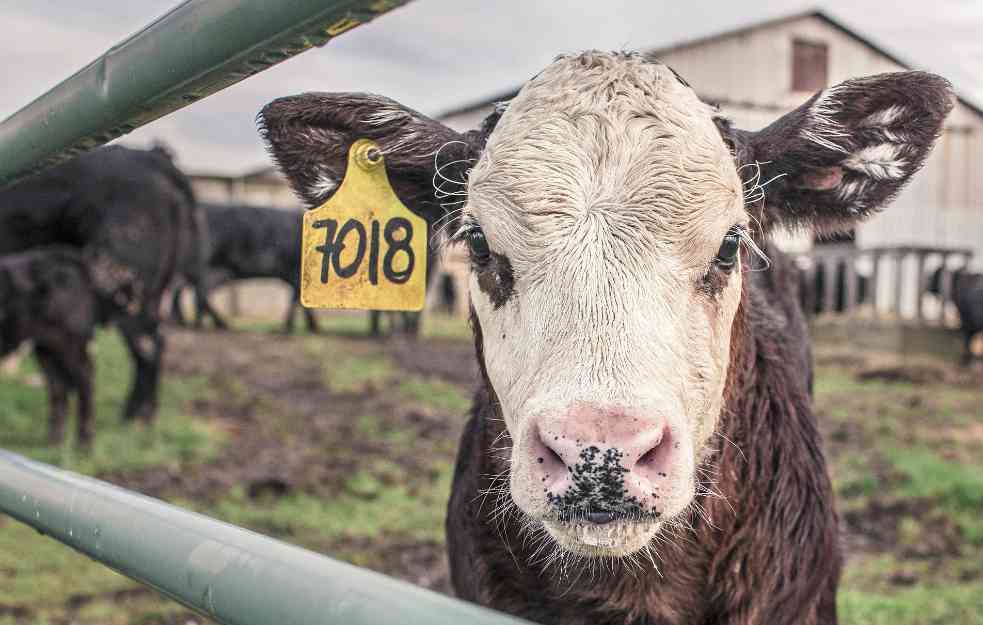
(265,190)
(751,74)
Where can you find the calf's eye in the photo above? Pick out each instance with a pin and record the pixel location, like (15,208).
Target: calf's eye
(727,254)
(478,246)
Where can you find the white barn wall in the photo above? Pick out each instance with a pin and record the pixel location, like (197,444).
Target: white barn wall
(749,73)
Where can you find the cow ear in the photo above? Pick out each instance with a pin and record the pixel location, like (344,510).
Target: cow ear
(844,153)
(309,136)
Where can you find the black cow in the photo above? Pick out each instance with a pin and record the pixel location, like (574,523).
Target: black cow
(131,213)
(252,242)
(193,271)
(46,297)
(812,293)
(967,294)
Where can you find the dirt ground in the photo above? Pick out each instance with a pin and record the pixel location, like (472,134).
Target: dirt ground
(268,367)
(255,375)
(322,419)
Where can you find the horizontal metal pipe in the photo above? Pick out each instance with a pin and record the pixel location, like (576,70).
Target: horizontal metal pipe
(227,573)
(198,48)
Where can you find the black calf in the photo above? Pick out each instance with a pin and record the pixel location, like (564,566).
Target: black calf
(46,297)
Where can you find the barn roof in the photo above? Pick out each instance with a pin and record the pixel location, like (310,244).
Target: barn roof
(733,32)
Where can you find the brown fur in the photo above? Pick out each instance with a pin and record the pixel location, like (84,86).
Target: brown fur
(770,554)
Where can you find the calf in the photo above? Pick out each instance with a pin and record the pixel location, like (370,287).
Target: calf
(967,294)
(642,447)
(131,214)
(253,242)
(46,297)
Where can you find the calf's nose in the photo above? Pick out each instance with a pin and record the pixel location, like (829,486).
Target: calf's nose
(594,463)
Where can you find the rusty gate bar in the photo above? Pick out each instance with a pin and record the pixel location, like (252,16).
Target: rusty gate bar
(226,573)
(196,49)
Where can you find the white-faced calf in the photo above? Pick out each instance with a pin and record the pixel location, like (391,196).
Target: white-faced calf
(642,448)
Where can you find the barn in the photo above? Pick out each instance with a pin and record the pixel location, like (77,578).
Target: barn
(758,72)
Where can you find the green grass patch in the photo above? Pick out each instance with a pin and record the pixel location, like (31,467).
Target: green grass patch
(42,573)
(365,508)
(435,393)
(957,488)
(443,326)
(352,373)
(854,478)
(920,605)
(174,439)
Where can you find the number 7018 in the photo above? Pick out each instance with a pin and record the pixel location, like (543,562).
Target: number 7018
(337,240)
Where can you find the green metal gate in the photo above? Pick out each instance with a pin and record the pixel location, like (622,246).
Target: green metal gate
(229,574)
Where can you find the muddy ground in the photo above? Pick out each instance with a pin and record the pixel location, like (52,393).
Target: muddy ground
(255,375)
(311,417)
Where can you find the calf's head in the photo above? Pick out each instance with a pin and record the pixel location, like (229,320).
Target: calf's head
(610,216)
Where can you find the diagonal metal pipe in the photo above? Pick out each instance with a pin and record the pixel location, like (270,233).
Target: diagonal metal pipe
(196,49)
(229,574)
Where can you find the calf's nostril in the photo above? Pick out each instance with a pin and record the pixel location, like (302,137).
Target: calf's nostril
(657,451)
(549,456)
(601,518)
(649,456)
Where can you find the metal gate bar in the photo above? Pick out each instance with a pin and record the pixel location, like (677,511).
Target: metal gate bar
(198,48)
(227,573)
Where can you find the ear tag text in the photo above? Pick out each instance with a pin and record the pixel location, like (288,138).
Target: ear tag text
(363,248)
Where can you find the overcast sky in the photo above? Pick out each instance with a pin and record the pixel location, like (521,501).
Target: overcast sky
(435,55)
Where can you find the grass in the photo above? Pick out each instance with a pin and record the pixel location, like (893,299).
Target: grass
(902,445)
(42,574)
(891,445)
(367,508)
(175,439)
(924,605)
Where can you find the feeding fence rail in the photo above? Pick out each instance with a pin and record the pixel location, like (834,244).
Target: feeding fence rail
(225,572)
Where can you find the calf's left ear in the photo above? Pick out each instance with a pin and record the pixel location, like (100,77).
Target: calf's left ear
(309,136)
(844,153)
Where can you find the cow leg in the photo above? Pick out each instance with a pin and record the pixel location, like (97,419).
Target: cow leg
(57,383)
(288,321)
(204,307)
(80,368)
(146,345)
(375,321)
(309,317)
(411,323)
(311,320)
(967,357)
(177,313)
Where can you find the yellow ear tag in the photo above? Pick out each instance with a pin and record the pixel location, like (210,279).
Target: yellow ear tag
(363,248)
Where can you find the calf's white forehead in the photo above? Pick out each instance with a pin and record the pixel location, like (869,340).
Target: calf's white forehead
(607,147)
(608,187)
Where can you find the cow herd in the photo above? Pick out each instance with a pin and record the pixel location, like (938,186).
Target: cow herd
(99,241)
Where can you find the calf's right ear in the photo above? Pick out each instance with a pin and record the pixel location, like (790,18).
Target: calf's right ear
(845,153)
(309,136)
